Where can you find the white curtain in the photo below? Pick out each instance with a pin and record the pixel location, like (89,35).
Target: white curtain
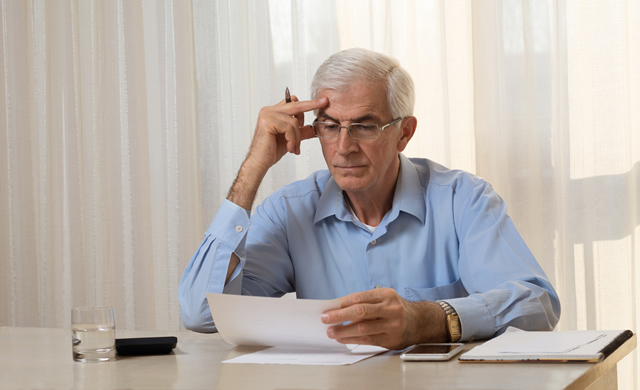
(100,190)
(124,123)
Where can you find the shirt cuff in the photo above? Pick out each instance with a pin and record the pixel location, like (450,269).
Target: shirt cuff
(230,224)
(475,319)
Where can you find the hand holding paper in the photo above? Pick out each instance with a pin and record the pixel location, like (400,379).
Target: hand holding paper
(293,326)
(381,317)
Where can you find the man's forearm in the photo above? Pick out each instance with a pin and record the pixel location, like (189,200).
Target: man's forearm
(279,131)
(235,260)
(243,193)
(245,187)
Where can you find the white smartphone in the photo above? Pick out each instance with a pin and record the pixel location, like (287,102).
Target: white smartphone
(439,351)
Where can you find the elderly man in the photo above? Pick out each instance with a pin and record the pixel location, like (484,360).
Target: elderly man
(417,252)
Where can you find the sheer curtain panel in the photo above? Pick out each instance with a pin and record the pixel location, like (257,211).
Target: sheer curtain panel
(124,124)
(100,192)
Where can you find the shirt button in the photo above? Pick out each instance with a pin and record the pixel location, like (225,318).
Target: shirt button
(238,228)
(378,286)
(373,242)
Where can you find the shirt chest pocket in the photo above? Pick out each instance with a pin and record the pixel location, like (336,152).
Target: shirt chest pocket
(453,290)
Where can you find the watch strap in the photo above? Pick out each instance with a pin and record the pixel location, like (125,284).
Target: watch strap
(452,322)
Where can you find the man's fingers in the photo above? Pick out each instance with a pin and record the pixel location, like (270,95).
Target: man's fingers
(291,124)
(293,141)
(377,332)
(369,296)
(306,132)
(284,126)
(292,133)
(351,313)
(377,317)
(296,107)
(358,329)
(360,305)
(299,116)
(360,340)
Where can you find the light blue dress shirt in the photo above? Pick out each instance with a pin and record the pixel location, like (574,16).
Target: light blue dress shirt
(446,237)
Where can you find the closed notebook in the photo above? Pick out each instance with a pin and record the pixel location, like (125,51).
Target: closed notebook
(516,345)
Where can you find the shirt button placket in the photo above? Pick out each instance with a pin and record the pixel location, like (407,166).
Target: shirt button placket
(372,243)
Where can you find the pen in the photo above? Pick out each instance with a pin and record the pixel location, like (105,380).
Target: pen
(287,95)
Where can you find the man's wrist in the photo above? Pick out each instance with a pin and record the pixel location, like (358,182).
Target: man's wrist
(452,322)
(245,186)
(431,323)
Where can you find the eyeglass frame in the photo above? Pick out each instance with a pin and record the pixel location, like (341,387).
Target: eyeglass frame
(380,129)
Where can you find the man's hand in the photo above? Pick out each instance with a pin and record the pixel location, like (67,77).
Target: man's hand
(381,317)
(280,129)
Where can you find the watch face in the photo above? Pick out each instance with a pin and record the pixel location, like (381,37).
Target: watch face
(453,326)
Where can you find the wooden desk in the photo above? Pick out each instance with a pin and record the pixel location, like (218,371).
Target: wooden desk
(40,358)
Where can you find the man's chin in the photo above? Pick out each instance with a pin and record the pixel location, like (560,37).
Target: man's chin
(352,184)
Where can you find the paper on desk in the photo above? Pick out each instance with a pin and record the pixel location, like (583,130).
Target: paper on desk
(247,320)
(554,342)
(291,326)
(308,356)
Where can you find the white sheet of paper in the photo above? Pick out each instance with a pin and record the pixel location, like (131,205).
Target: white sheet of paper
(247,320)
(554,342)
(305,356)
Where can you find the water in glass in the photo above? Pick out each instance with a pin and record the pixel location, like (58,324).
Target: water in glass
(93,342)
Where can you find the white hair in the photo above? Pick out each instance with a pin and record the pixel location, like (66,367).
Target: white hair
(353,65)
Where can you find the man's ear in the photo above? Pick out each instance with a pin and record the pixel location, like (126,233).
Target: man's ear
(407,131)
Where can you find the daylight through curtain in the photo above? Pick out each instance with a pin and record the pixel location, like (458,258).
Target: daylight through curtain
(123,124)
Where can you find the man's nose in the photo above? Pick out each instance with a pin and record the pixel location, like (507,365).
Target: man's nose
(345,143)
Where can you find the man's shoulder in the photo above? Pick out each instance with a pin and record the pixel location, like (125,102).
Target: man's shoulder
(437,175)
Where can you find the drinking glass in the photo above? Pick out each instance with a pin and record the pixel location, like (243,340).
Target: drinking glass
(93,334)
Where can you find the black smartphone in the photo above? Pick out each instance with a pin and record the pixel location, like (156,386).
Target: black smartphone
(145,346)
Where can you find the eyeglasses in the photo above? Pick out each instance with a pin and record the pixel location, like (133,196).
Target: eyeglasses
(356,130)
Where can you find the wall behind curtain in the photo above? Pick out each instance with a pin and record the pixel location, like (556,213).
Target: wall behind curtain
(538,97)
(100,192)
(125,122)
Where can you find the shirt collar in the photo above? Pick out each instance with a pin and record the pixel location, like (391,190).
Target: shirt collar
(410,193)
(332,202)
(408,197)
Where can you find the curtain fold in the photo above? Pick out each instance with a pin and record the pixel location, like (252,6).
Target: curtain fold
(247,53)
(123,124)
(100,191)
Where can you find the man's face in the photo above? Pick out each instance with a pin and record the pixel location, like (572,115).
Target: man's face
(361,166)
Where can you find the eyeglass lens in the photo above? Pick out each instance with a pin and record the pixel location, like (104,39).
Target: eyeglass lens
(356,130)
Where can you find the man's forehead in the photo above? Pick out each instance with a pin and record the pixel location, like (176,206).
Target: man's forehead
(360,102)
(372,116)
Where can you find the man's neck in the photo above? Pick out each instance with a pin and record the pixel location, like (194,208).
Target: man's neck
(371,208)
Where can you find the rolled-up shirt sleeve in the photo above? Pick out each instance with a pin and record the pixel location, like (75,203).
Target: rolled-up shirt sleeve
(506,285)
(207,269)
